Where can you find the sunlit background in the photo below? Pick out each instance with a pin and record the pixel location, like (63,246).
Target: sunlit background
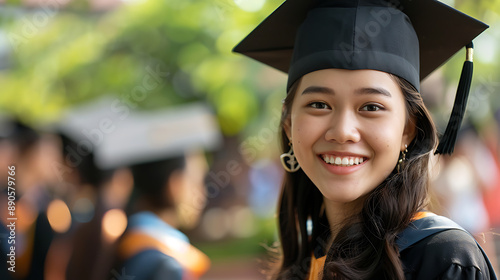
(149,55)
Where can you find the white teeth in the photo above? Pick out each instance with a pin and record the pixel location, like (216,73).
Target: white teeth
(326,158)
(346,161)
(338,161)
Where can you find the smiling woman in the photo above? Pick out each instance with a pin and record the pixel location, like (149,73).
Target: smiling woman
(357,139)
(368,117)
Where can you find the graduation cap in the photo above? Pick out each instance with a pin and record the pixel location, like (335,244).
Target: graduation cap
(23,136)
(149,136)
(87,122)
(407,38)
(82,129)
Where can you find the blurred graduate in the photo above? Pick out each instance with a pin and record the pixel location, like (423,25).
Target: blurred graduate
(165,152)
(31,153)
(94,194)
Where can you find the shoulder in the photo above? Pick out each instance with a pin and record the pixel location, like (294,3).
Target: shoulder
(449,254)
(452,245)
(153,264)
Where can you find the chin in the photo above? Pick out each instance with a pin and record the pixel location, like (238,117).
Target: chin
(342,197)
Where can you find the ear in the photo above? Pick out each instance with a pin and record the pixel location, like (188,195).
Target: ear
(409,133)
(120,187)
(287,124)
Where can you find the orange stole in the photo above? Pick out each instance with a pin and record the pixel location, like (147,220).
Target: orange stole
(192,259)
(318,264)
(316,267)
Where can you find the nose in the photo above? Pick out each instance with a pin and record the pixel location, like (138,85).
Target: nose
(343,129)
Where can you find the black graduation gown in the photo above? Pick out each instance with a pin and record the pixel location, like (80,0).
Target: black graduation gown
(435,247)
(451,254)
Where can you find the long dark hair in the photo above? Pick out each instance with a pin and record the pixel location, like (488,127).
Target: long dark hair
(365,247)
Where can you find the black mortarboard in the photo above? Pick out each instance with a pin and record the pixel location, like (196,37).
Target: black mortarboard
(407,38)
(23,136)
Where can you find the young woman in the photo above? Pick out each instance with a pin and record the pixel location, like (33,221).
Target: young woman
(357,139)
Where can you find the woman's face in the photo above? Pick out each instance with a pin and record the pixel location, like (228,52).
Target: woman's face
(347,129)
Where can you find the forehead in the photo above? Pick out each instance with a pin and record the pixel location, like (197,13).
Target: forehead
(350,79)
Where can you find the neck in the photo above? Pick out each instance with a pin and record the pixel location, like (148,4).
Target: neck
(338,214)
(169,216)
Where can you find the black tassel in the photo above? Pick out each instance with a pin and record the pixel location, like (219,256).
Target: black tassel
(449,138)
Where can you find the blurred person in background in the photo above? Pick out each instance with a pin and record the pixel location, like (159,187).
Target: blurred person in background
(461,185)
(6,160)
(164,152)
(32,153)
(491,194)
(91,192)
(96,192)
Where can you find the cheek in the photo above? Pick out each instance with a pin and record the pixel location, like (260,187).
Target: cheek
(305,131)
(195,188)
(304,125)
(386,138)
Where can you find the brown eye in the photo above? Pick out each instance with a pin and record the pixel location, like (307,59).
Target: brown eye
(318,105)
(371,108)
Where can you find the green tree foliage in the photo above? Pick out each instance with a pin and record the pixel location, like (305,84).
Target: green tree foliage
(149,54)
(155,54)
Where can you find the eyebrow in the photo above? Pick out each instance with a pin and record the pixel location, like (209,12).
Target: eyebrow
(361,91)
(318,89)
(377,90)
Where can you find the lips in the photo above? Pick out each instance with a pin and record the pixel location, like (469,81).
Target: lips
(345,161)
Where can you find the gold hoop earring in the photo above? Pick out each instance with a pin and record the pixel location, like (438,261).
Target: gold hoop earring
(289,162)
(402,158)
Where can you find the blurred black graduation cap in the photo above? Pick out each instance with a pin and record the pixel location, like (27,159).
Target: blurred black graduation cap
(18,133)
(407,38)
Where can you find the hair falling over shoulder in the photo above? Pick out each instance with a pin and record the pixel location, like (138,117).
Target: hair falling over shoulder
(365,246)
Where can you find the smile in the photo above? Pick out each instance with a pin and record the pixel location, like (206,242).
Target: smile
(342,161)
